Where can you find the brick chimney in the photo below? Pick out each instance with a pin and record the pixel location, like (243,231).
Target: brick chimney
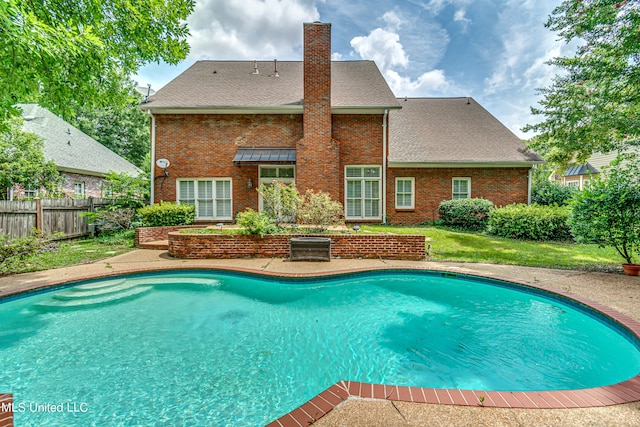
(317,155)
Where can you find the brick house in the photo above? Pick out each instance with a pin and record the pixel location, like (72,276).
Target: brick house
(229,126)
(82,162)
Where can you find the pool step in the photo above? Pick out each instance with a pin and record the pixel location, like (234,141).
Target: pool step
(93,300)
(97,285)
(94,291)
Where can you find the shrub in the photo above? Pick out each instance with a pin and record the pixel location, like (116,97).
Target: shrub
(167,214)
(256,222)
(280,201)
(111,220)
(15,250)
(607,212)
(319,211)
(469,214)
(534,222)
(552,193)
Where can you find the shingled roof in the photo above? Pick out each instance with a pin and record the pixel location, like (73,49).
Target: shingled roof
(452,131)
(71,149)
(232,85)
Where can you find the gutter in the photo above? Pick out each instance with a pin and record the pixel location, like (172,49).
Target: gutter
(153,157)
(384,166)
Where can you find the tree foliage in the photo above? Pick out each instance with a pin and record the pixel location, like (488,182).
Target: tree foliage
(54,52)
(124,129)
(607,212)
(22,160)
(592,105)
(280,201)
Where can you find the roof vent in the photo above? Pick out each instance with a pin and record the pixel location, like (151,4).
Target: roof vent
(255,68)
(275,68)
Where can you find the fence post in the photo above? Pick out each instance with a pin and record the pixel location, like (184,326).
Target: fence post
(39,213)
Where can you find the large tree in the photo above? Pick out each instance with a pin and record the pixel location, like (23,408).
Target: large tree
(22,160)
(57,51)
(593,104)
(124,129)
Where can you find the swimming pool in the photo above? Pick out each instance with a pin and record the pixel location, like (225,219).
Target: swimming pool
(217,348)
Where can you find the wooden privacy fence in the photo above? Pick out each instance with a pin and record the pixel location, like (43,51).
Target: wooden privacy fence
(18,218)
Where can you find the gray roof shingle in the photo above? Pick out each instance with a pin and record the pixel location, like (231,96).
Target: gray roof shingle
(69,148)
(232,84)
(449,131)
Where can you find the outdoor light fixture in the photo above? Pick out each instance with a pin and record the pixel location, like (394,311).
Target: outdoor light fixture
(249,183)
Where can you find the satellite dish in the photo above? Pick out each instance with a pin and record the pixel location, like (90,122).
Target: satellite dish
(145,91)
(163,163)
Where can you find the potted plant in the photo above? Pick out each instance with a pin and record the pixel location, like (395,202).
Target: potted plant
(607,212)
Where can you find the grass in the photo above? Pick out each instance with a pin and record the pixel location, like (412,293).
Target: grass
(451,245)
(82,251)
(446,245)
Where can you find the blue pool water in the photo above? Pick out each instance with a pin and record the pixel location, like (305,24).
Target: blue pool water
(213,348)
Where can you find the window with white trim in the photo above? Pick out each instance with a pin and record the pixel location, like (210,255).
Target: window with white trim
(78,190)
(461,188)
(574,184)
(363,192)
(211,197)
(405,188)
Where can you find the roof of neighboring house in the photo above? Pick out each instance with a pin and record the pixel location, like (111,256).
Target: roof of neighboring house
(580,170)
(71,149)
(445,131)
(232,85)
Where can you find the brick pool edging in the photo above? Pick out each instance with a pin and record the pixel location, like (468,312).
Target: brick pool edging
(624,392)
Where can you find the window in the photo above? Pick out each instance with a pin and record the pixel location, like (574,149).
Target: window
(404,193)
(276,172)
(363,192)
(211,197)
(574,184)
(78,189)
(461,188)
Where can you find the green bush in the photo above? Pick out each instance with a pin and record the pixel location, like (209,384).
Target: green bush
(534,222)
(280,201)
(165,214)
(14,251)
(319,211)
(607,212)
(469,214)
(552,193)
(257,222)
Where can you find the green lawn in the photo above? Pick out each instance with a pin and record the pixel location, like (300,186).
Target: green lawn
(449,245)
(82,251)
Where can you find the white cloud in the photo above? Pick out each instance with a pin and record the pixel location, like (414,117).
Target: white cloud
(460,17)
(383,47)
(431,83)
(249,29)
(393,20)
(436,6)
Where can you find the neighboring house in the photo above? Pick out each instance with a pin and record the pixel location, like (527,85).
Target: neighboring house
(228,126)
(578,176)
(81,160)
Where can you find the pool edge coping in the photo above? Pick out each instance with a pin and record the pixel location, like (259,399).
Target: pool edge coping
(624,392)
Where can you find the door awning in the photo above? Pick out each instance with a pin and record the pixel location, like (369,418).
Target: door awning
(247,155)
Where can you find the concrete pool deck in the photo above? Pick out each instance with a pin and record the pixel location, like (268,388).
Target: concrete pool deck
(616,291)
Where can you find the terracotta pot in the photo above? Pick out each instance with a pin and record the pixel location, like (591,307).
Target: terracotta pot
(631,269)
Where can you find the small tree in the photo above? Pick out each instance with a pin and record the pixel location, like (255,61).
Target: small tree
(280,201)
(319,210)
(607,212)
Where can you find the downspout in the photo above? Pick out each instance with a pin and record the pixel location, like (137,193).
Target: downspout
(529,186)
(153,157)
(384,166)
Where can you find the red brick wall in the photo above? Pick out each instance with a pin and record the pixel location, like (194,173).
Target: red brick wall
(207,246)
(317,154)
(502,186)
(152,234)
(203,146)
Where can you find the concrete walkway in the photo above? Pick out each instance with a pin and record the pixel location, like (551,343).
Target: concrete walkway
(622,293)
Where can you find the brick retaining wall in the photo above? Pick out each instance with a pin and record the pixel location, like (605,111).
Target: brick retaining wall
(203,246)
(152,234)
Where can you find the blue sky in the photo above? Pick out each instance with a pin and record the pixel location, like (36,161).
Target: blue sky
(492,50)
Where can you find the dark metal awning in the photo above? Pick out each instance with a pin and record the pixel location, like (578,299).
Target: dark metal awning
(246,155)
